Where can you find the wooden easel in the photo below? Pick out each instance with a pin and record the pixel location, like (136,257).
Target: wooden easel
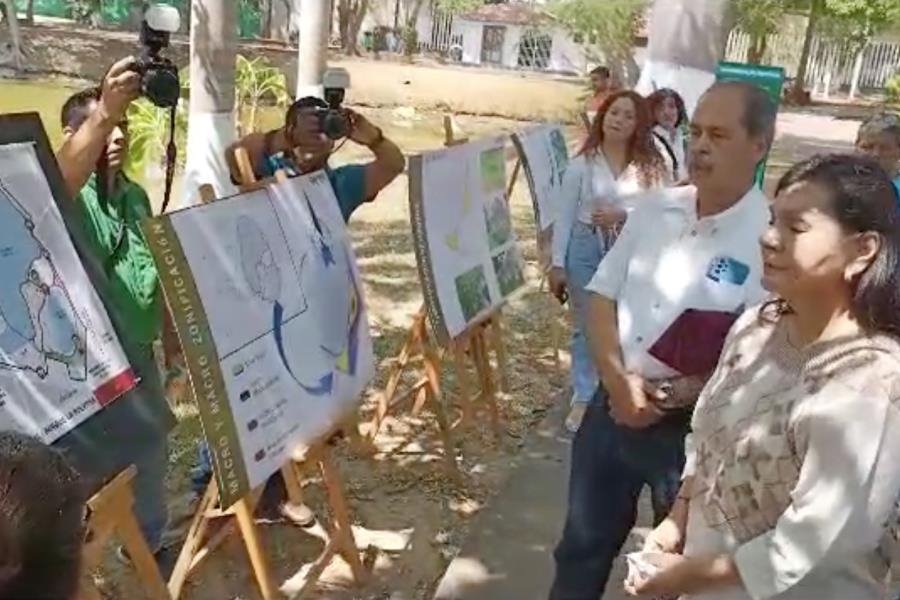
(110,513)
(338,534)
(475,343)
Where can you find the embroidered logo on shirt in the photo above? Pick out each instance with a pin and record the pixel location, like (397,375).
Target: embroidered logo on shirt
(728,270)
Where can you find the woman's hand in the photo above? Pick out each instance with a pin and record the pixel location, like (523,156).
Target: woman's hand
(666,538)
(669,581)
(608,217)
(679,575)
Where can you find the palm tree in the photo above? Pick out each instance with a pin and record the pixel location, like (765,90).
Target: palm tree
(686,41)
(211,121)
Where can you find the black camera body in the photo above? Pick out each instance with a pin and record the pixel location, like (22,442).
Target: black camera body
(333,121)
(159,75)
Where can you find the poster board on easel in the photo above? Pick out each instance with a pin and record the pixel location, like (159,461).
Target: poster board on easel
(466,250)
(544,156)
(268,305)
(60,358)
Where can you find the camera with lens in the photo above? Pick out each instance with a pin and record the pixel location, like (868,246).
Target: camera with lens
(159,75)
(333,121)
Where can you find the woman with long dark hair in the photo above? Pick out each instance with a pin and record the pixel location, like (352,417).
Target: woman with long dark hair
(617,162)
(796,461)
(669,118)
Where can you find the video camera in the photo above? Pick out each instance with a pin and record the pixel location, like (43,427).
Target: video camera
(333,121)
(159,75)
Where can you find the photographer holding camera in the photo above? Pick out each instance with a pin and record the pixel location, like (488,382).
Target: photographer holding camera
(307,140)
(134,428)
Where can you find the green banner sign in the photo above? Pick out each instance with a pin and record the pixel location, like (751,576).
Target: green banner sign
(771,79)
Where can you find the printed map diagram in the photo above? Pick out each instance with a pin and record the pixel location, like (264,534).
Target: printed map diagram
(60,358)
(38,322)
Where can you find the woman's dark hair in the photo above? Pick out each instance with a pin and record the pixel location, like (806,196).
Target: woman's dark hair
(641,149)
(41,521)
(655,100)
(863,200)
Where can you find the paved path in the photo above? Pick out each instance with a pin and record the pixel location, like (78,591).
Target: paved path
(508,554)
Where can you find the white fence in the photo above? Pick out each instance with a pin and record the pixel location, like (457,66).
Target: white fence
(832,66)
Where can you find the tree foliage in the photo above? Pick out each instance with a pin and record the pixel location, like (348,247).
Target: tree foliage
(858,21)
(758,19)
(605,28)
(455,7)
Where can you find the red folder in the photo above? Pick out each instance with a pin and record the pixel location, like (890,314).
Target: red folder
(693,342)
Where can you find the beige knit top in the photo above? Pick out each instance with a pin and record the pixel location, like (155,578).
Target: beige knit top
(796,459)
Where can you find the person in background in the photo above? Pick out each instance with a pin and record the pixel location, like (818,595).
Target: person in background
(617,163)
(879,138)
(298,148)
(302,147)
(42,517)
(602,85)
(670,118)
(134,428)
(796,464)
(684,267)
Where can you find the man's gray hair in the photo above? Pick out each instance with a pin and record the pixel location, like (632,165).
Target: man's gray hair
(760,112)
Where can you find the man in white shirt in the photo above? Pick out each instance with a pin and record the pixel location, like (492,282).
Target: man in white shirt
(685,265)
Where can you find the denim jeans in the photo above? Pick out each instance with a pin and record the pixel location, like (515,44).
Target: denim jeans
(610,466)
(582,259)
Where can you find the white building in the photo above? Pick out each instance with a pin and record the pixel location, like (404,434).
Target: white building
(517,36)
(514,35)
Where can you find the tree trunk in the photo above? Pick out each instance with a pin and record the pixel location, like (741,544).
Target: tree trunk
(411,33)
(14,57)
(359,15)
(211,126)
(857,73)
(281,20)
(757,49)
(797,93)
(687,39)
(314,27)
(29,12)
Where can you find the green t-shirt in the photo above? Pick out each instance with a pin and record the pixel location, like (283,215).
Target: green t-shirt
(125,277)
(112,228)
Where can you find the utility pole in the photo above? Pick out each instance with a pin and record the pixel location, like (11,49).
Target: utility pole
(315,23)
(211,122)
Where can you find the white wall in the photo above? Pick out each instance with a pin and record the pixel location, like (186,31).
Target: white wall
(565,54)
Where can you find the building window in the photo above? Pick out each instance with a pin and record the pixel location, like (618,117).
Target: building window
(534,50)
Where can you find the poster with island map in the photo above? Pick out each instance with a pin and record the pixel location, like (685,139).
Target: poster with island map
(466,250)
(268,305)
(60,359)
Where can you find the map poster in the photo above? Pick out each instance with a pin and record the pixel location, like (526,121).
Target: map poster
(267,302)
(60,359)
(544,156)
(466,249)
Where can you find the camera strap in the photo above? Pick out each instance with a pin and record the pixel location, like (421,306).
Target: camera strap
(171,157)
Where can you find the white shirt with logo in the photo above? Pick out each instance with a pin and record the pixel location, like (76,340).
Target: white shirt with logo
(665,262)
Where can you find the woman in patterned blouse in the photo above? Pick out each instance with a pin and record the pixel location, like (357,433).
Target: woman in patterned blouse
(795,460)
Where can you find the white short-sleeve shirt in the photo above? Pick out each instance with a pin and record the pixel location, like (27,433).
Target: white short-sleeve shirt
(667,261)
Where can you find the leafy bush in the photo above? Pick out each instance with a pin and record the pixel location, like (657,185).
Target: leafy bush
(892,88)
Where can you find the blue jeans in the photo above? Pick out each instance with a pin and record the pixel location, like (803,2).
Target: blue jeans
(610,466)
(582,259)
(202,472)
